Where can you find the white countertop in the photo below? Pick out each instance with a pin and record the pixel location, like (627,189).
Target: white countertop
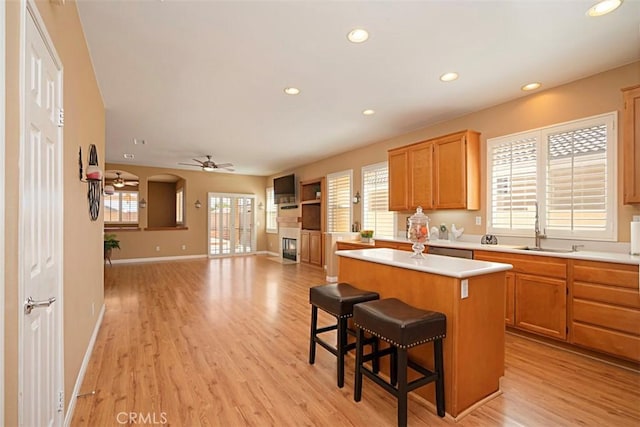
(443,265)
(617,257)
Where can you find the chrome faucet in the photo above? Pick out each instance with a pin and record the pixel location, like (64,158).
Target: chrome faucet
(536,229)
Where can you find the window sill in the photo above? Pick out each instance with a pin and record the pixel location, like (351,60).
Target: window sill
(179,227)
(111,228)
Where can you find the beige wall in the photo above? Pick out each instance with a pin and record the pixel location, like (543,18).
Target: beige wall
(586,97)
(84,124)
(142,243)
(161,204)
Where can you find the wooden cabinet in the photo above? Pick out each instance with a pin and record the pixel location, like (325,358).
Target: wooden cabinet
(347,245)
(398,180)
(510,306)
(396,245)
(537,301)
(605,308)
(312,194)
(311,247)
(631,144)
(440,173)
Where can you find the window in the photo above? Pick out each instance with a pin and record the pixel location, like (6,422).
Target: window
(339,201)
(272,212)
(121,207)
(180,206)
(375,200)
(569,169)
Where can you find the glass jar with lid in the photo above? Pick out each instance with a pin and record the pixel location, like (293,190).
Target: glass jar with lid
(418,232)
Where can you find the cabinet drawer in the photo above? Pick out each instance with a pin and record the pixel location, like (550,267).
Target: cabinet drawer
(611,342)
(609,294)
(610,316)
(622,275)
(531,264)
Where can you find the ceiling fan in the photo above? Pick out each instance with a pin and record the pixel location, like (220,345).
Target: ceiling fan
(209,165)
(119,182)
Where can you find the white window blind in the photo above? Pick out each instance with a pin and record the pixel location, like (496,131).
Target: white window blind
(576,180)
(272,212)
(375,200)
(339,201)
(568,168)
(121,207)
(513,182)
(180,206)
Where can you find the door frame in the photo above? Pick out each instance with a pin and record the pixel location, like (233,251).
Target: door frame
(3,83)
(254,234)
(29,8)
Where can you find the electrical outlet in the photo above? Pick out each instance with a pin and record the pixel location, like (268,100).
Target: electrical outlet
(478,220)
(184,247)
(464,289)
(157,248)
(93,309)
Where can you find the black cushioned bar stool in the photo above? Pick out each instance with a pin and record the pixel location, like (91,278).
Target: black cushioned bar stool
(337,300)
(402,326)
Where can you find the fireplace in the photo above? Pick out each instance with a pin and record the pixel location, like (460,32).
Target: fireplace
(289,248)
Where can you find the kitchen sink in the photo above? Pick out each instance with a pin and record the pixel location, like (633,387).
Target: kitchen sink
(558,251)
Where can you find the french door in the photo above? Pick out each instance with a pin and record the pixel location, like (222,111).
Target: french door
(231,224)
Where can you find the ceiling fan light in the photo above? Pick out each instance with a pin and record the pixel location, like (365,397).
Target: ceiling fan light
(118,184)
(208,168)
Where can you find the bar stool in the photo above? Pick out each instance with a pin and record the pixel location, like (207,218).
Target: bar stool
(338,300)
(403,327)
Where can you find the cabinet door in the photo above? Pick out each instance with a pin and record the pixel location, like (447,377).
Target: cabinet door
(449,162)
(315,248)
(631,144)
(541,305)
(304,246)
(510,306)
(421,176)
(398,180)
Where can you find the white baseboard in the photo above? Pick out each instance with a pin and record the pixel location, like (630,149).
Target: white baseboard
(156,259)
(83,369)
(331,279)
(269,253)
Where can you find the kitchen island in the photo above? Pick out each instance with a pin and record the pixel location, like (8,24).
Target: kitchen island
(472,296)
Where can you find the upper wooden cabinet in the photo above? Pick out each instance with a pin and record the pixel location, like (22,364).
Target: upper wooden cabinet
(631,144)
(440,173)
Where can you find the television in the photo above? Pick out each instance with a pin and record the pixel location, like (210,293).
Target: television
(284,189)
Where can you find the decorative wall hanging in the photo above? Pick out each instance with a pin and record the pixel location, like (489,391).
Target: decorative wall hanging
(94,181)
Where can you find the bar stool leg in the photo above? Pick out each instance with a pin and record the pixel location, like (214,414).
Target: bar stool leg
(312,338)
(357,387)
(439,368)
(342,344)
(375,363)
(402,386)
(393,367)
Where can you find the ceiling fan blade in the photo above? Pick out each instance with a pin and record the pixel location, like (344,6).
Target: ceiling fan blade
(132,183)
(224,165)
(189,164)
(199,161)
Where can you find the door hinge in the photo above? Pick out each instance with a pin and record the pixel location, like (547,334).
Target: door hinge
(61,117)
(60,401)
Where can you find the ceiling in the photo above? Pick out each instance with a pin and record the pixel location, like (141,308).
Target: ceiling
(192,78)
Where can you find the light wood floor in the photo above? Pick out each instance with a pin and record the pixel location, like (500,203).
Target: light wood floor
(224,342)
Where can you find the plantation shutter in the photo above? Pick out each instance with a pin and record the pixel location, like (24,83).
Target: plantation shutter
(339,202)
(272,212)
(375,200)
(513,182)
(577,179)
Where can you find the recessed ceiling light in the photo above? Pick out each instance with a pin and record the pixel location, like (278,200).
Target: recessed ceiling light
(291,90)
(368,112)
(358,35)
(603,7)
(128,156)
(531,86)
(449,77)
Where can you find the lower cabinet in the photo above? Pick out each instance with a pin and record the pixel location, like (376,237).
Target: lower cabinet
(536,294)
(541,305)
(605,308)
(311,247)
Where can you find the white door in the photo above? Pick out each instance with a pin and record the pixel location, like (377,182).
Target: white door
(40,365)
(231,224)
